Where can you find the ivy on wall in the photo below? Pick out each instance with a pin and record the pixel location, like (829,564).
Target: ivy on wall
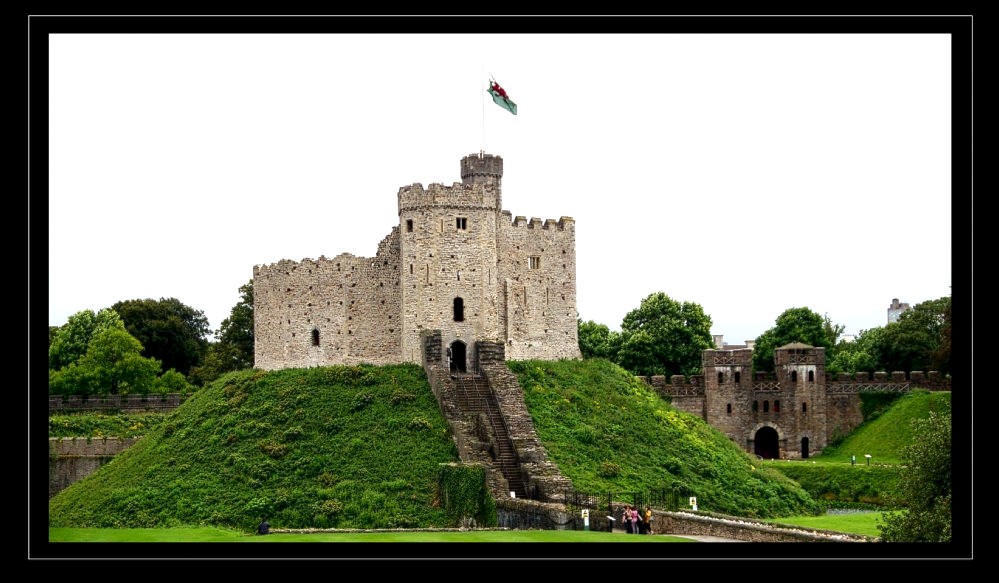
(462,492)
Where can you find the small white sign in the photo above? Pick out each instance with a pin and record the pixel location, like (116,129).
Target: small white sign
(586,513)
(693,501)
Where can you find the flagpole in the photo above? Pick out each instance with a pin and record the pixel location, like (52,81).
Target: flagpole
(483,73)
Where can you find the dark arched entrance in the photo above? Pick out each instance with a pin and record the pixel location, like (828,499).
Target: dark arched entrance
(765,443)
(458,358)
(804,447)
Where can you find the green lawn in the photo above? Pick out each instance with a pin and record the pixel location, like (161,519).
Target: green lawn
(209,535)
(864,523)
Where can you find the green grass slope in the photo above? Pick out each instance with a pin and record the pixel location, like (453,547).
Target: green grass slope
(320,447)
(360,447)
(886,435)
(609,432)
(832,478)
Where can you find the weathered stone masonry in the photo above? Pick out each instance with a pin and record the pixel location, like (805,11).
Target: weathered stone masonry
(455,262)
(794,412)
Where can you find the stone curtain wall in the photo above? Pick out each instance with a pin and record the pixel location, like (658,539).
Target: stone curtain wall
(161,403)
(73,458)
(684,395)
(681,523)
(353,303)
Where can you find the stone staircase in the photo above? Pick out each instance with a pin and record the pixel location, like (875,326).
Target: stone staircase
(473,396)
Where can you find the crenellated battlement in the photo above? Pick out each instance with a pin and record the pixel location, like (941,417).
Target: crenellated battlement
(536,223)
(481,167)
(678,385)
(458,195)
(287,267)
(792,412)
(449,264)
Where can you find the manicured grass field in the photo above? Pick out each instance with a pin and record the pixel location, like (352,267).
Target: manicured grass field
(208,535)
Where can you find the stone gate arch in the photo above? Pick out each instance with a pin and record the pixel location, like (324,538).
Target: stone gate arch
(765,439)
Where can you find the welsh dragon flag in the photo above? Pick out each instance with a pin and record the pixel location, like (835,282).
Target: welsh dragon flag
(500,97)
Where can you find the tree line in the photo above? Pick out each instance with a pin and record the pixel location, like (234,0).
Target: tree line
(665,337)
(147,346)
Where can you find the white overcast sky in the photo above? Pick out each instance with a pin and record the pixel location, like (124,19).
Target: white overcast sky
(747,173)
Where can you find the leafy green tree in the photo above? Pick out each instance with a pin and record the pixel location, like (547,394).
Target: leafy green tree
(233,349)
(597,340)
(113,365)
(832,330)
(794,325)
(940,356)
(169,331)
(664,337)
(915,341)
(923,494)
(73,380)
(857,356)
(172,382)
(237,331)
(69,342)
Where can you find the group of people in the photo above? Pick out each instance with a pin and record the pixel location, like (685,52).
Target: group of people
(635,521)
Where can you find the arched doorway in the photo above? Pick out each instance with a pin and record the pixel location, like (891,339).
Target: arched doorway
(458,358)
(766,443)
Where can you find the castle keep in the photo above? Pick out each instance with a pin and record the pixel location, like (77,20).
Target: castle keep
(455,263)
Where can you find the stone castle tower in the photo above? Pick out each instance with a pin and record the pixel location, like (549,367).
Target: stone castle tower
(456,263)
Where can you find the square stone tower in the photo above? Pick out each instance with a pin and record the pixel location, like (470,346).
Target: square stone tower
(456,263)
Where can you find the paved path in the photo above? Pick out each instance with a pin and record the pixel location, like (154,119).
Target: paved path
(704,538)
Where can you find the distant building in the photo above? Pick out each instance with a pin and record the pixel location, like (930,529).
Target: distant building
(895,310)
(720,344)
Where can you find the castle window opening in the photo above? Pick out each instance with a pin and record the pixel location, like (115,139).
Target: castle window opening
(736,377)
(766,406)
(409,225)
(459,310)
(315,337)
(811,376)
(534,262)
(804,407)
(756,406)
(728,408)
(776,406)
(721,377)
(461,223)
(794,376)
